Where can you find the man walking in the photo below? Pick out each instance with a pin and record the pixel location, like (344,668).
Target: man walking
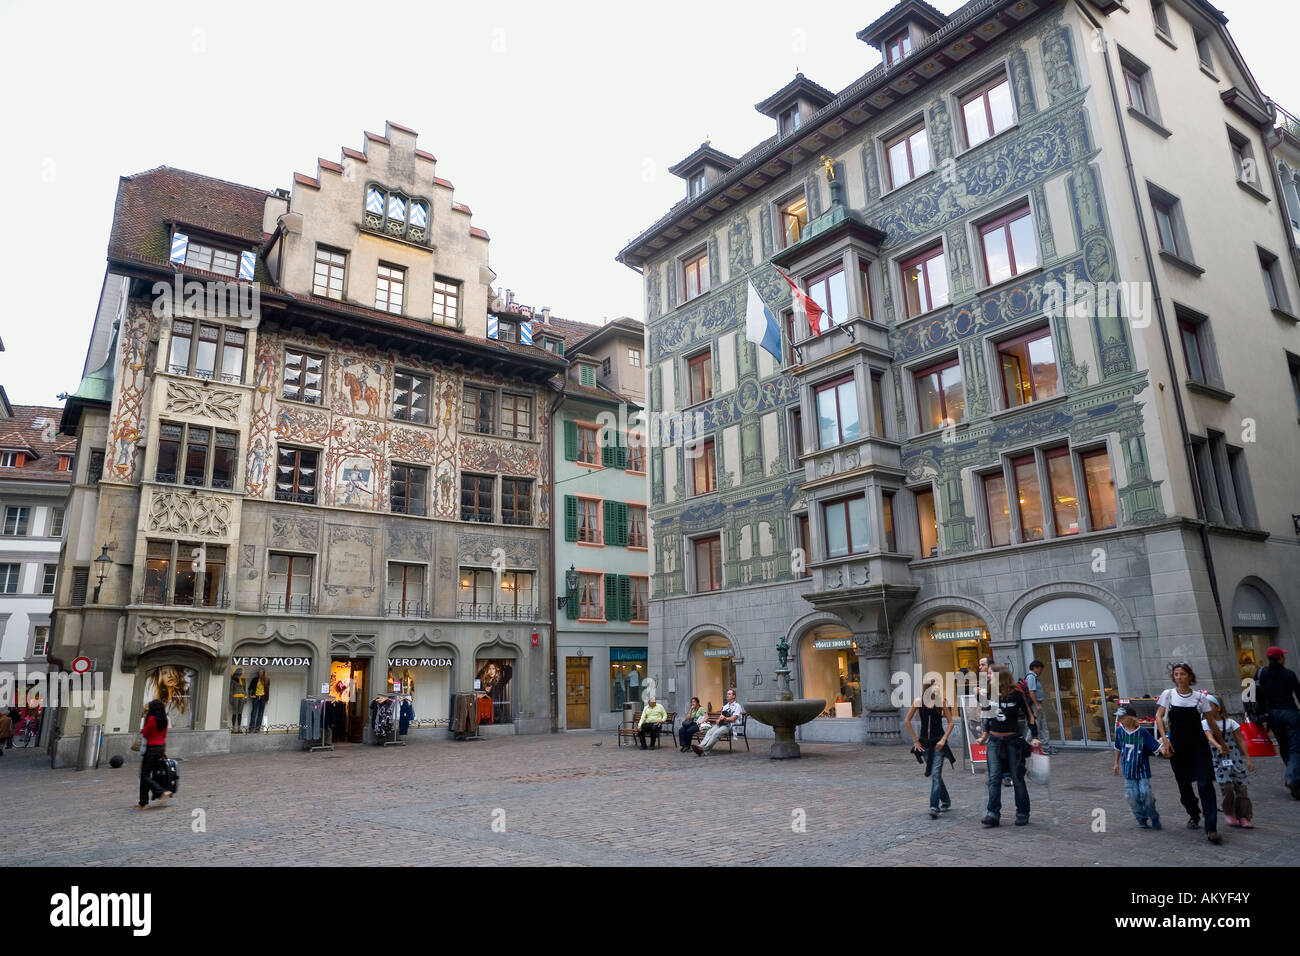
(1277,692)
(1033,686)
(726,725)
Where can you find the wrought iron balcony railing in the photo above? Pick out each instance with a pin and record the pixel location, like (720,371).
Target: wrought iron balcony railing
(292,604)
(496,612)
(407,609)
(220,602)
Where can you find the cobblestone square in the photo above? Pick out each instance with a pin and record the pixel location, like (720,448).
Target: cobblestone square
(578,800)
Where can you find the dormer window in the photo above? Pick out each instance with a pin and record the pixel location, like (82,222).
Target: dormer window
(395,214)
(899,47)
(790,120)
(697,184)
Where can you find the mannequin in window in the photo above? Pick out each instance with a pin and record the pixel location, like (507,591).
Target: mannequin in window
(258,693)
(238,694)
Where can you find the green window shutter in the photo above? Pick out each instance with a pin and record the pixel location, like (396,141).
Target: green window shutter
(624,598)
(620,460)
(571,442)
(607,456)
(611,598)
(560,350)
(610,508)
(622,523)
(571,607)
(570,518)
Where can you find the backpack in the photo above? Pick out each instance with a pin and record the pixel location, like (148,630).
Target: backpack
(1023,684)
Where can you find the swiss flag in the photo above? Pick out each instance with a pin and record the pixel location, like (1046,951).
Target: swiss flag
(813,310)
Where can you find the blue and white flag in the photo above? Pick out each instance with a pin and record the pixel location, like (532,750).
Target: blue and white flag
(492,326)
(760,324)
(525,333)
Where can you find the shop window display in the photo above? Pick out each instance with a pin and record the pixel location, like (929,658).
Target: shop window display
(627,670)
(829,661)
(712,671)
(492,678)
(429,688)
(174,686)
(952,642)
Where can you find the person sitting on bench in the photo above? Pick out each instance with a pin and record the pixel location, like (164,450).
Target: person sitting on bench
(652,718)
(726,725)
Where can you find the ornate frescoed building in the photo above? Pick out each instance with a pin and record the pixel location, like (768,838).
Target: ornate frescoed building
(1047,412)
(306,447)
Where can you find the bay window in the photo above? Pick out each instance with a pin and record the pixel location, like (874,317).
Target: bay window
(995,504)
(1028,497)
(837,412)
(845,526)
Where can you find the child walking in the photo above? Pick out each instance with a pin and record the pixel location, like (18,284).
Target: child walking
(1230,769)
(1133,748)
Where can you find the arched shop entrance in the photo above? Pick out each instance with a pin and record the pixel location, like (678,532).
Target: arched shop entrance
(953,642)
(713,670)
(828,662)
(1075,639)
(1254,628)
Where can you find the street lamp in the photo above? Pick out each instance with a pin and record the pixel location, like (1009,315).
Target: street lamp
(570,585)
(104,562)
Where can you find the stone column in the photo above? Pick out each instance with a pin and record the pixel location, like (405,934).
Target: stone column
(875,647)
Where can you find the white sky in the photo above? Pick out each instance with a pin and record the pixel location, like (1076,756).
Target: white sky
(556,123)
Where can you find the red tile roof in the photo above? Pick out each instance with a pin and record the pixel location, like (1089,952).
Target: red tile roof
(34,430)
(148,201)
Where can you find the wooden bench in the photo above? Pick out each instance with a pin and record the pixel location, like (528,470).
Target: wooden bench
(713,718)
(666,728)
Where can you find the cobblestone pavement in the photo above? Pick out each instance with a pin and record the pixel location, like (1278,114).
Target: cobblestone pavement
(577,799)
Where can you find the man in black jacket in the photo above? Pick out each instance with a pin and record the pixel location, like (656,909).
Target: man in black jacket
(1277,692)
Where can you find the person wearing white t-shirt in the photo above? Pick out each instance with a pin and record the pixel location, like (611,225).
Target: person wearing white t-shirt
(1179,712)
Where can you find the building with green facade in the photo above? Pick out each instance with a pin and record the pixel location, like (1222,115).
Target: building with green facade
(1046,411)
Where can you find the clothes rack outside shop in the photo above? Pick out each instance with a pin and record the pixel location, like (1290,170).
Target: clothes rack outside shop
(314,723)
(386,719)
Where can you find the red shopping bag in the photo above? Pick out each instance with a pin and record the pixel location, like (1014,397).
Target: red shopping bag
(1257,742)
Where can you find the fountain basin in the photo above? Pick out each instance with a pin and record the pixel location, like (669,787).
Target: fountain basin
(783,716)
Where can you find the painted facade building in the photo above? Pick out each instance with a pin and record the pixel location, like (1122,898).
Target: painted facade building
(601,533)
(35,473)
(1048,411)
(347,484)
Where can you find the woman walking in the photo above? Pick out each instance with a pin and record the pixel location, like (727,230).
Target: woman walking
(932,745)
(1006,745)
(1179,712)
(690,724)
(154,732)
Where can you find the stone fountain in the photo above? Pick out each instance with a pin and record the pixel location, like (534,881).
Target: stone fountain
(785,713)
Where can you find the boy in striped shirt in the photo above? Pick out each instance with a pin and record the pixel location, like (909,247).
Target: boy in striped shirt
(1133,747)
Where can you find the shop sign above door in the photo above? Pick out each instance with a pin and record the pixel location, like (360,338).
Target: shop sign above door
(957,634)
(1065,617)
(717,652)
(419,662)
(270,661)
(833,643)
